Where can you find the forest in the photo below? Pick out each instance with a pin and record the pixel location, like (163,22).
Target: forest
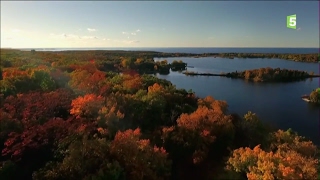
(97,115)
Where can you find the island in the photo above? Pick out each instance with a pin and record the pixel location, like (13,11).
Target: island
(263,75)
(313,97)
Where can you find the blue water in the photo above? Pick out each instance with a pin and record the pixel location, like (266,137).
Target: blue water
(278,104)
(197,50)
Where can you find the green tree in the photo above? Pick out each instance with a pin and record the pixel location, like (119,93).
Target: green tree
(86,159)
(43,79)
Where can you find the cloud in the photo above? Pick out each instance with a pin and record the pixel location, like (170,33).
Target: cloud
(71,36)
(62,36)
(132,33)
(91,30)
(89,37)
(299,29)
(133,42)
(127,41)
(16,30)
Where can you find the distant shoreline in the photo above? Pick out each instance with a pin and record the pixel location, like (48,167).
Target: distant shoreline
(156,53)
(195,50)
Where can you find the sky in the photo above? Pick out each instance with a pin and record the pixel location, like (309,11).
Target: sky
(72,24)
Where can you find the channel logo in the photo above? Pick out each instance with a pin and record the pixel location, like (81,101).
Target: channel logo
(292,21)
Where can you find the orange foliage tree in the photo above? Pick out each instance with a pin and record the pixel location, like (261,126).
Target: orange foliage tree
(132,82)
(198,130)
(139,159)
(259,164)
(87,106)
(88,79)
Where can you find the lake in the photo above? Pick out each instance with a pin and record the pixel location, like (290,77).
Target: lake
(278,104)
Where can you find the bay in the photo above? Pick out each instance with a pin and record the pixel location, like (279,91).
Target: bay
(278,104)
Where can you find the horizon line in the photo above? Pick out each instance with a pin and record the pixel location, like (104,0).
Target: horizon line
(138,47)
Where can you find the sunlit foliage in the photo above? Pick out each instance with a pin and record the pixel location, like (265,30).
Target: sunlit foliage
(86,106)
(259,164)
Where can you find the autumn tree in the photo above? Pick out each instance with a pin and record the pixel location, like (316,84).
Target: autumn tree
(139,159)
(7,126)
(87,80)
(258,164)
(32,148)
(132,82)
(86,106)
(36,108)
(199,136)
(289,156)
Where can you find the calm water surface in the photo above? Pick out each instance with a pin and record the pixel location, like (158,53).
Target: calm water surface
(278,104)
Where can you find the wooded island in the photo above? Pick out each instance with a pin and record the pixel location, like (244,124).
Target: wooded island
(263,75)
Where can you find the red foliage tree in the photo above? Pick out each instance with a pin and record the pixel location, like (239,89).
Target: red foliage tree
(35,107)
(36,139)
